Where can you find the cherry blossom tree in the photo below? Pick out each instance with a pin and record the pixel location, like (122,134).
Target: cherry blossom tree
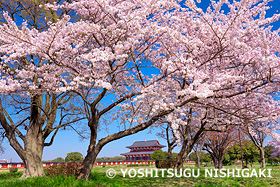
(100,57)
(28,116)
(149,60)
(276,148)
(217,143)
(192,127)
(257,135)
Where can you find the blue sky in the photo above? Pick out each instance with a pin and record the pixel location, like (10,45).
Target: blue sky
(68,141)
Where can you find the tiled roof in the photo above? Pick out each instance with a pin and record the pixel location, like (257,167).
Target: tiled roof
(149,143)
(138,153)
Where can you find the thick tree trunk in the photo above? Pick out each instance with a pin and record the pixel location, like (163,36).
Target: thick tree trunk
(182,155)
(34,140)
(33,146)
(88,162)
(33,157)
(34,143)
(179,162)
(262,158)
(92,151)
(33,165)
(32,152)
(187,146)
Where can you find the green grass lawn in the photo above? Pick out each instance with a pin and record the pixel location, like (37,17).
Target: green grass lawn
(99,179)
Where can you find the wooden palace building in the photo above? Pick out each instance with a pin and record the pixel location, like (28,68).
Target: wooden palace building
(141,150)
